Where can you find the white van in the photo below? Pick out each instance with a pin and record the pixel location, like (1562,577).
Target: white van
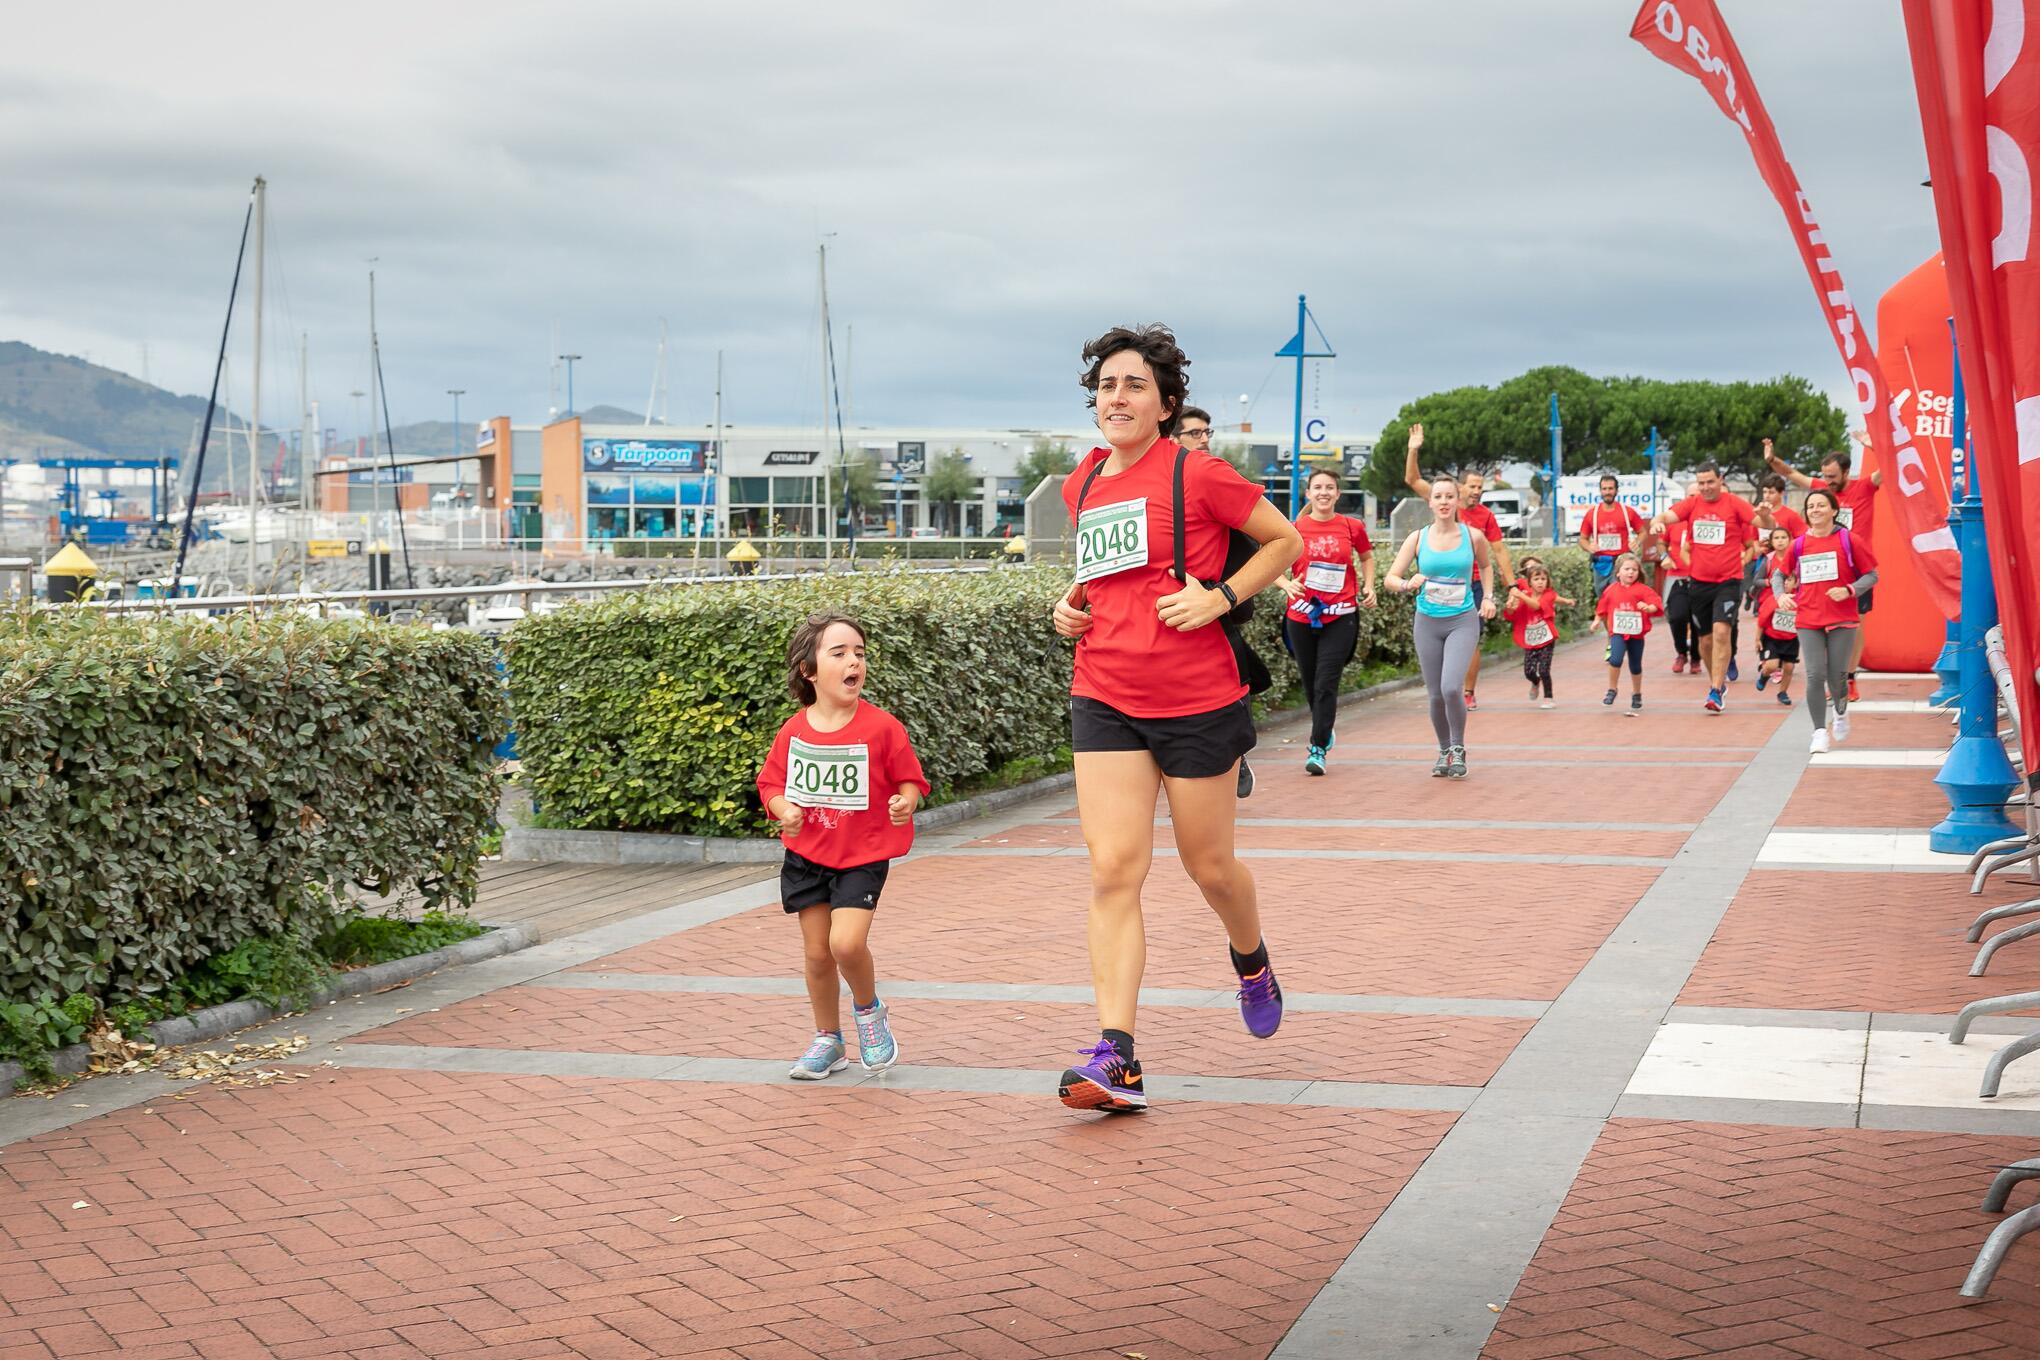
(1510,507)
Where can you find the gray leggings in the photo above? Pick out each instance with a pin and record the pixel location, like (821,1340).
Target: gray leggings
(1824,660)
(1445,649)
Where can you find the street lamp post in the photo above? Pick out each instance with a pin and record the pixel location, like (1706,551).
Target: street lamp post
(568,360)
(460,521)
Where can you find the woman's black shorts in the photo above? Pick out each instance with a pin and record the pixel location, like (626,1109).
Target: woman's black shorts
(1196,746)
(804,883)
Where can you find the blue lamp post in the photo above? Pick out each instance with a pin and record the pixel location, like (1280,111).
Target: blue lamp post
(1947,666)
(1557,469)
(1978,776)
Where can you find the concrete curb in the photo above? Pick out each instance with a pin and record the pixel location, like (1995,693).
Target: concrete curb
(214,1021)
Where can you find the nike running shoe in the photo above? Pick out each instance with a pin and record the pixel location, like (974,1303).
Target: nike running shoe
(824,1056)
(1456,768)
(1261,1003)
(1678,665)
(1245,787)
(1314,763)
(1853,694)
(1609,698)
(876,1047)
(1714,701)
(1106,1082)
(1839,728)
(1444,765)
(1819,744)
(1734,673)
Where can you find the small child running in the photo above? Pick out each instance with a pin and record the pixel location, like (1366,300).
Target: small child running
(1532,610)
(842,781)
(1777,619)
(1625,611)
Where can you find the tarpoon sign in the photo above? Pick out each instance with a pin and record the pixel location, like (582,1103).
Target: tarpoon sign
(644,455)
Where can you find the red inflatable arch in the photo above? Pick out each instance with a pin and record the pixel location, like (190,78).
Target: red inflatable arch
(1904,632)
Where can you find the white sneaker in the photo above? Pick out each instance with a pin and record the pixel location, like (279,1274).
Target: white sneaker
(1819,743)
(1840,727)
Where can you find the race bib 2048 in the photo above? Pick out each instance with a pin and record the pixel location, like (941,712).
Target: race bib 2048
(829,776)
(1112,539)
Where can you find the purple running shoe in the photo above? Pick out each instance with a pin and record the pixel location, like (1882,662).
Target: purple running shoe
(1106,1082)
(1261,1003)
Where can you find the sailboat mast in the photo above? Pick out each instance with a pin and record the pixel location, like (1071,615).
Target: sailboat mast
(374,481)
(822,454)
(255,400)
(652,400)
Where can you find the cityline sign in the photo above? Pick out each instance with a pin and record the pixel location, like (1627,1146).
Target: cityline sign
(643,455)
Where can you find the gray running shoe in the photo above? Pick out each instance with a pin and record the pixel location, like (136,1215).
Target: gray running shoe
(1246,784)
(876,1048)
(1444,765)
(824,1056)
(1456,768)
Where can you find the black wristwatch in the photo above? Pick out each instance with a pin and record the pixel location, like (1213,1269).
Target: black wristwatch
(1231,598)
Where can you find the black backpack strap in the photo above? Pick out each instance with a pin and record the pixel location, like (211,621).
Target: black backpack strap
(1089,478)
(1182,457)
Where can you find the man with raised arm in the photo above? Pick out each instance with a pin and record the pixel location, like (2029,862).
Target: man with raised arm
(1724,539)
(1858,515)
(1476,517)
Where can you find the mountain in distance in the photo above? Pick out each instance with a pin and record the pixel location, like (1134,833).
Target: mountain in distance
(54,405)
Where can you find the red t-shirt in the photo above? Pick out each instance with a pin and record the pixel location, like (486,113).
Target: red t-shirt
(869,759)
(1859,506)
(1825,560)
(1788,519)
(1130,659)
(1328,548)
(1721,558)
(1482,520)
(1767,608)
(1629,599)
(1673,541)
(1543,614)
(1618,520)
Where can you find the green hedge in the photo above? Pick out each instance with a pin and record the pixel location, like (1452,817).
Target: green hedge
(654,711)
(174,787)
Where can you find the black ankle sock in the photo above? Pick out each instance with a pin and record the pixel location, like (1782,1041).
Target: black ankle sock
(1122,1041)
(1246,965)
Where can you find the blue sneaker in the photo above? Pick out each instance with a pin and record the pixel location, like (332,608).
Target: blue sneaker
(1733,674)
(1261,1003)
(824,1056)
(1107,1082)
(1784,699)
(1714,701)
(876,1047)
(1763,679)
(1314,763)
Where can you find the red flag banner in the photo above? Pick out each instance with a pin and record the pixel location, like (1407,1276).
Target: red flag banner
(1690,35)
(1979,89)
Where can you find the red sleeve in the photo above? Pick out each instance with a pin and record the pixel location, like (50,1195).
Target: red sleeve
(772,779)
(1494,528)
(1653,599)
(904,765)
(1636,521)
(1215,486)
(1683,509)
(1361,542)
(1549,604)
(1749,523)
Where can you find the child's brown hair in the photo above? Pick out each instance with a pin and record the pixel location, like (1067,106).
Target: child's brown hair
(803,650)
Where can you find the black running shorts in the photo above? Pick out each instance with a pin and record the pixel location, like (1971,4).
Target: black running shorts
(1196,746)
(1714,602)
(804,883)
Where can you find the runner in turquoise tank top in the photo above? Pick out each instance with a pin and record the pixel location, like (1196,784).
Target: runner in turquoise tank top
(1448,576)
(1447,627)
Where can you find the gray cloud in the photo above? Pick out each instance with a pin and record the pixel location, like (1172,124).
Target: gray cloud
(1463,190)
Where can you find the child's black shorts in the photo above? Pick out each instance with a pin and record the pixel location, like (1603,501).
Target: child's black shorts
(1779,649)
(804,883)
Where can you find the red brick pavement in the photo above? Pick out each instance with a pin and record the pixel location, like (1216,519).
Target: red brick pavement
(1860,795)
(1896,731)
(1647,844)
(1399,928)
(414,1214)
(1755,1242)
(1313,1046)
(1856,942)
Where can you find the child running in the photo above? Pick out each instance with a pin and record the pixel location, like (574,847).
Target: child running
(1777,620)
(842,781)
(1829,572)
(1532,610)
(1625,610)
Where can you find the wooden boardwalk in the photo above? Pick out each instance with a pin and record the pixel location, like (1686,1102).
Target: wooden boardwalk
(565,899)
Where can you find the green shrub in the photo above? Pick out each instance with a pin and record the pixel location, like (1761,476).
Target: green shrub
(377,939)
(269,968)
(174,787)
(654,711)
(33,1028)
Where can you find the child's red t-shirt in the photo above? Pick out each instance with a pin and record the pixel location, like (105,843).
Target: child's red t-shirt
(844,779)
(1621,606)
(1535,623)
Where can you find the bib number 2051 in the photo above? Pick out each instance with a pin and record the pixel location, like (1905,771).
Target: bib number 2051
(829,776)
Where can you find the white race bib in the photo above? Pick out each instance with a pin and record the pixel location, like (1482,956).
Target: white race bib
(829,776)
(1446,592)
(1786,620)
(1325,578)
(1845,517)
(1627,623)
(1111,539)
(1712,532)
(1607,543)
(1815,567)
(1536,633)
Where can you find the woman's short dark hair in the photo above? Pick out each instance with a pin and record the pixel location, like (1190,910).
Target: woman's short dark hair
(1834,501)
(1156,345)
(804,649)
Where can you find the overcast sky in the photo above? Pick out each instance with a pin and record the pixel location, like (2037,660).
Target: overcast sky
(1463,189)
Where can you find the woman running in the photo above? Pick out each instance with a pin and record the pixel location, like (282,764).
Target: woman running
(1447,627)
(1322,624)
(1157,703)
(1828,572)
